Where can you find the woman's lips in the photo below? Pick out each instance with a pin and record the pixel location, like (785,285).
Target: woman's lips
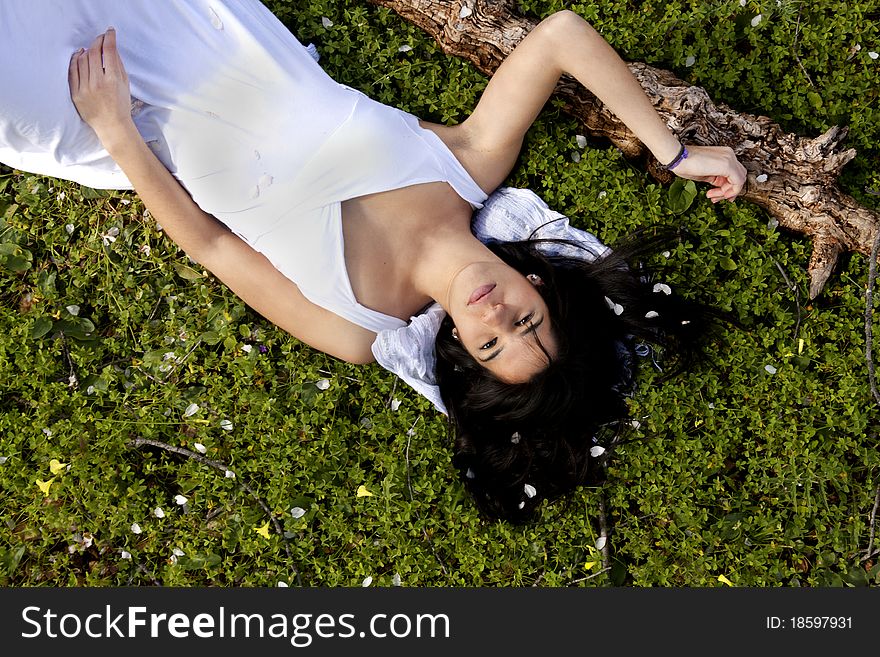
(480,292)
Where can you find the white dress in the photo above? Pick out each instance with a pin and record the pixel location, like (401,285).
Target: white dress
(237,109)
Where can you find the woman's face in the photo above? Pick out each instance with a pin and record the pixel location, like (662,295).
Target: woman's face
(502,320)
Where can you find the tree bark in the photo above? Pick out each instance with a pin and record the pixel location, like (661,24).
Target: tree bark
(794,178)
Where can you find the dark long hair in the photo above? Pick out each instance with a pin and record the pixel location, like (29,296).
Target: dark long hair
(516,444)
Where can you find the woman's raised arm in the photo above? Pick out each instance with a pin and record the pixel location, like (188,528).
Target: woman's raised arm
(566,43)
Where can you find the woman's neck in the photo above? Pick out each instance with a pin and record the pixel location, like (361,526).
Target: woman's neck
(441,254)
(404,247)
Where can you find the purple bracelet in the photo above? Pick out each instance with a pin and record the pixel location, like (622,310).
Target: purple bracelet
(682,155)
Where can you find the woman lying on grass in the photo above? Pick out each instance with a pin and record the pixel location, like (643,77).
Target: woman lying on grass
(339,219)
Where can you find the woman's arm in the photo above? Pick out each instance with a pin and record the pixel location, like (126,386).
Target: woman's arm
(566,43)
(99,89)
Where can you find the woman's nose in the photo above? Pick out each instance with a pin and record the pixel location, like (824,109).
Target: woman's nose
(493,315)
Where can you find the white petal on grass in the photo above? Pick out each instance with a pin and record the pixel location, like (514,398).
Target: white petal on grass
(575,156)
(3,459)
(470,474)
(229,474)
(465,12)
(603,194)
(47,431)
(742,3)
(125,554)
(515,438)
(180,500)
(135,528)
(323,384)
(158,512)
(404,48)
(662,287)
(521,505)
(690,61)
(192,409)
(761,178)
(635,424)
(367,581)
(872,54)
(665,254)
(770,369)
(529,490)
(395,581)
(581,141)
(90,390)
(600,542)
(651,314)
(226,425)
(326,22)
(395,404)
(282,585)
(110,236)
(69,228)
(597,450)
(757,20)
(177,552)
(201,449)
(246,348)
(73,310)
(297,512)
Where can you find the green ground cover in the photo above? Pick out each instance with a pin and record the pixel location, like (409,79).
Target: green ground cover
(760,468)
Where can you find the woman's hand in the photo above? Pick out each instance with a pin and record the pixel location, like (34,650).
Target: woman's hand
(716,165)
(99,87)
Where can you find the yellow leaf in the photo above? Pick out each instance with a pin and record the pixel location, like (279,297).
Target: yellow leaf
(263,531)
(363,492)
(589,565)
(44,485)
(724,580)
(56,466)
(800,345)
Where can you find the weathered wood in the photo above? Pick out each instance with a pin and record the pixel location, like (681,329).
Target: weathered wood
(800,189)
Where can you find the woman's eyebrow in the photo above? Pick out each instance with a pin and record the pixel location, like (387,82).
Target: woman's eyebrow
(531,328)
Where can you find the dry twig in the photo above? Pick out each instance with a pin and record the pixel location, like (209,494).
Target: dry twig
(870,550)
(139,442)
(584,579)
(409,435)
(603,532)
(869,309)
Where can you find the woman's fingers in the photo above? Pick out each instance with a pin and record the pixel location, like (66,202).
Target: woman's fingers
(111,54)
(717,166)
(99,86)
(96,64)
(82,65)
(73,73)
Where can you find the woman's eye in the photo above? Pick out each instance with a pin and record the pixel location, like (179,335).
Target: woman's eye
(525,320)
(490,344)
